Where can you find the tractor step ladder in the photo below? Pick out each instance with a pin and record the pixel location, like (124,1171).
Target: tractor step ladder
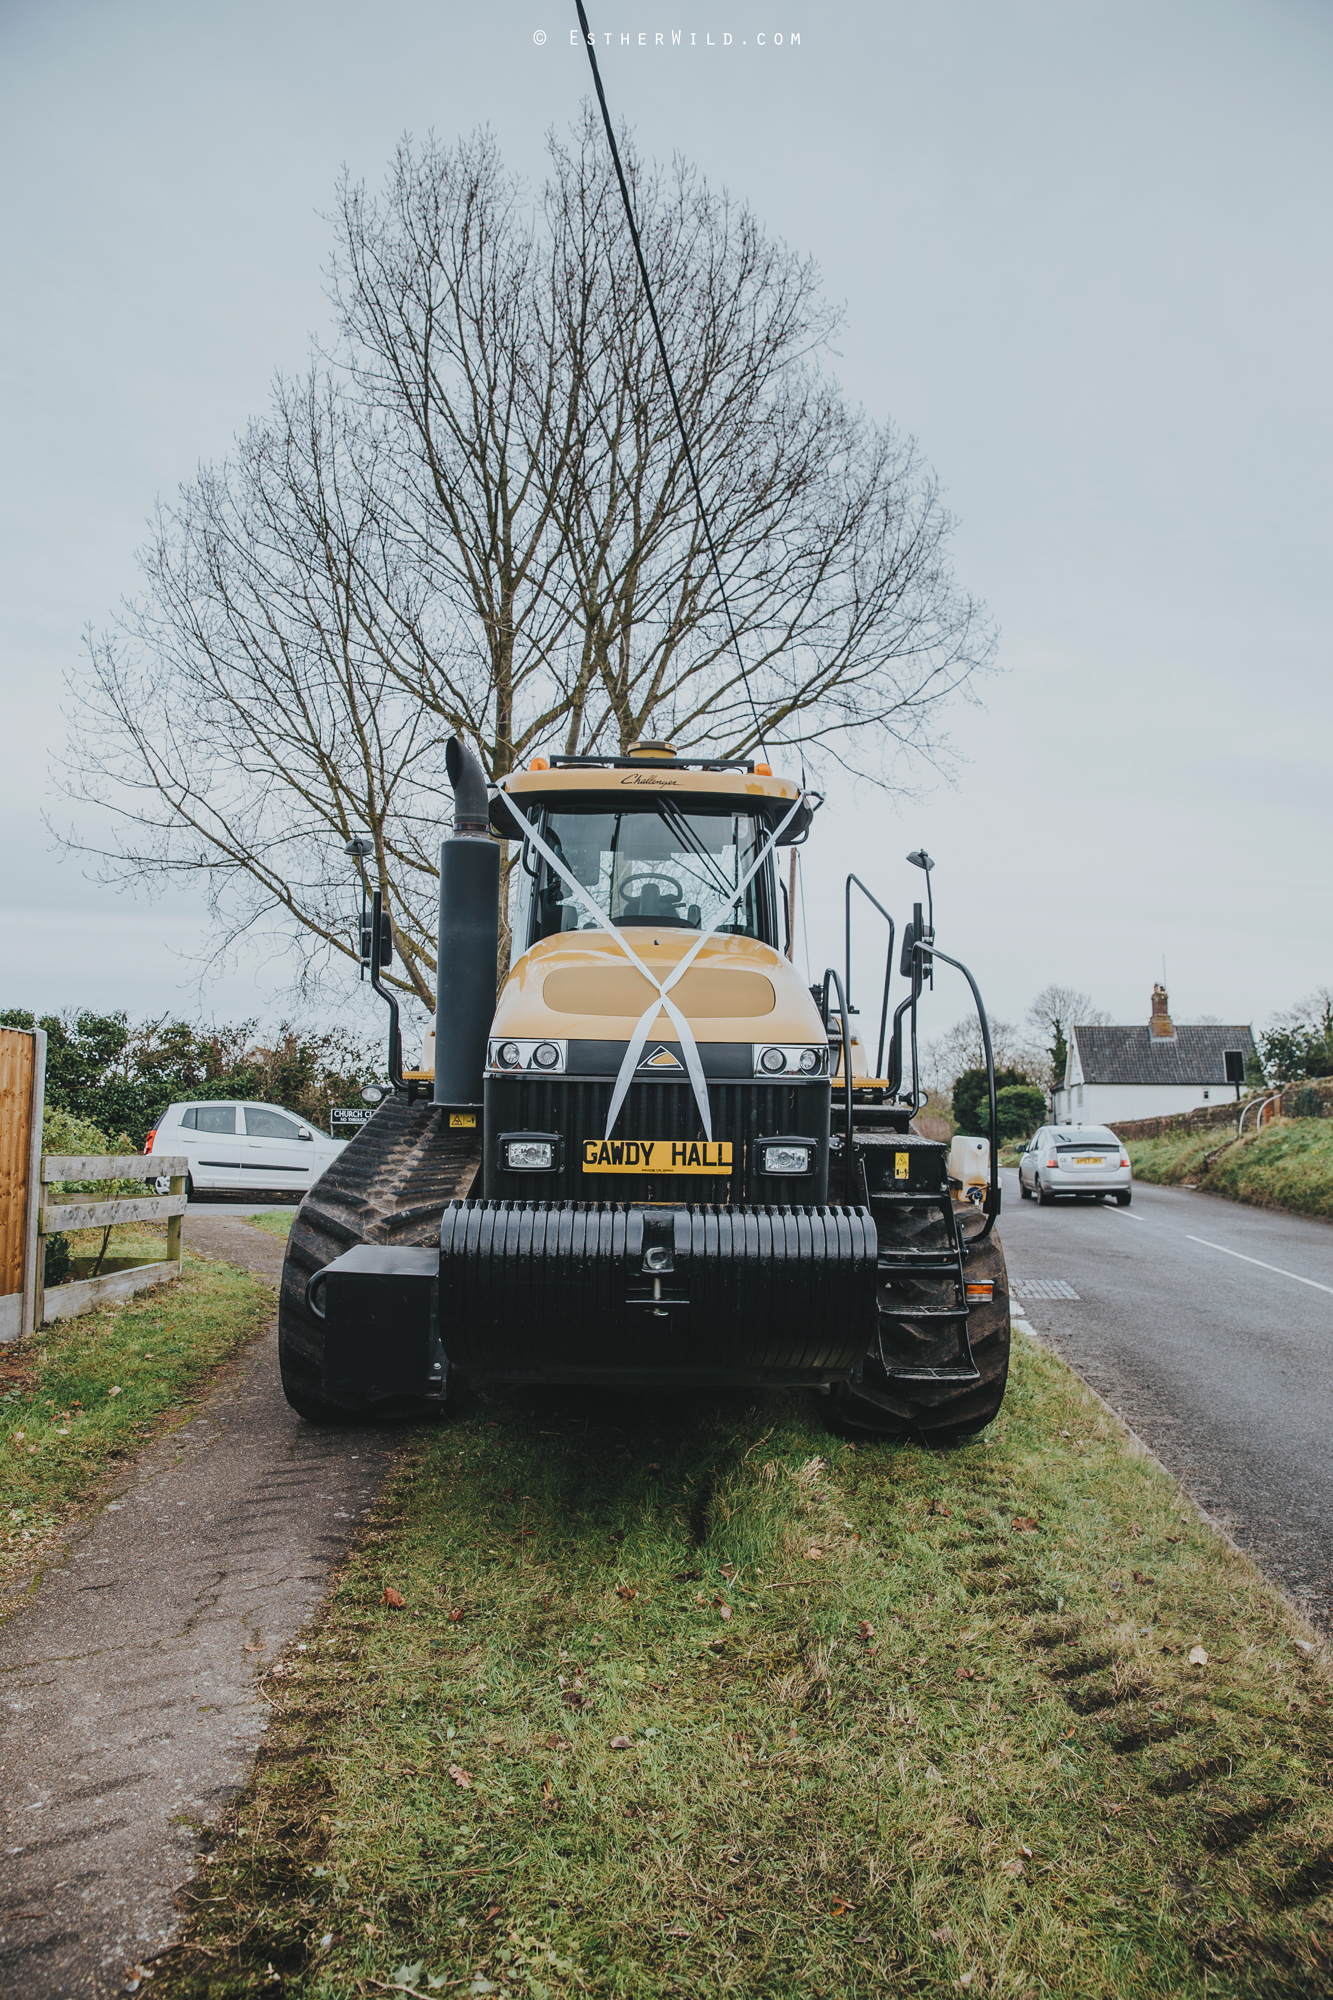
(943,1261)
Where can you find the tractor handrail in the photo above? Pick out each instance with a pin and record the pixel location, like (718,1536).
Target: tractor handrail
(830,974)
(395,1064)
(888,962)
(992,1203)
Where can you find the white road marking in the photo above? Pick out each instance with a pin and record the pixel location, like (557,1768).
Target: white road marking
(1277,1268)
(1125,1215)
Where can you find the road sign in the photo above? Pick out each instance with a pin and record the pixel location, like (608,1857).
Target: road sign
(344,1115)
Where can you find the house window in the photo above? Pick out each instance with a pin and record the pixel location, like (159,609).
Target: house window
(1206,1095)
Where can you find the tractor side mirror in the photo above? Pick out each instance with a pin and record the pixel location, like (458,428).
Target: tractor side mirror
(909,941)
(386,939)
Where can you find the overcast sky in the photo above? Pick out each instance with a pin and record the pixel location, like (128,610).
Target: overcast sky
(1085,257)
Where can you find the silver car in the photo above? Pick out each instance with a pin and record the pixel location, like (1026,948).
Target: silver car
(1085,1161)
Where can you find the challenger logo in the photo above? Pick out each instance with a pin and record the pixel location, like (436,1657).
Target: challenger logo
(661,1058)
(657,1156)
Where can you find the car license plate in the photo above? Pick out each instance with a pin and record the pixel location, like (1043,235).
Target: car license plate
(1089,1160)
(657,1156)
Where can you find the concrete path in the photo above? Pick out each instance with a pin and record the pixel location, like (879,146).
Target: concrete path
(1208,1326)
(129,1713)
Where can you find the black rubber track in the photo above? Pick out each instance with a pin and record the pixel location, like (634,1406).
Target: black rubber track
(874,1407)
(391,1184)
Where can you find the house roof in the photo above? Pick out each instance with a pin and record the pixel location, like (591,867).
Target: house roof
(1136,1055)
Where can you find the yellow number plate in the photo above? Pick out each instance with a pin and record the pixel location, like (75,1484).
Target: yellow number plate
(466,1119)
(1088,1160)
(657,1156)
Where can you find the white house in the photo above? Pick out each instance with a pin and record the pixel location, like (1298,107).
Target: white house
(1149,1071)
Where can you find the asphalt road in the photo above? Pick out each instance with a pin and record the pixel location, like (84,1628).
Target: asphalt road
(1208,1326)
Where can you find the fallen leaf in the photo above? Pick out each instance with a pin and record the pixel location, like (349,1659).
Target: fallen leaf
(678,1930)
(573,1698)
(966,1674)
(686,1576)
(655,1467)
(617,1534)
(725,1611)
(867,1630)
(1026,1853)
(813,1554)
(1139,1577)
(623,1590)
(116,1391)
(1014,1867)
(1197,1657)
(944,1935)
(841,1909)
(938,1507)
(460,1777)
(455,1617)
(1024,1524)
(393,1598)
(621,1743)
(728,1571)
(1303,1646)
(408,1975)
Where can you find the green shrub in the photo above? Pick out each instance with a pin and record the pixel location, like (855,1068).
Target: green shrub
(970,1107)
(1019,1108)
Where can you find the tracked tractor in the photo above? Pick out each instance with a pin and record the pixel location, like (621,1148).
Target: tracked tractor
(661,1160)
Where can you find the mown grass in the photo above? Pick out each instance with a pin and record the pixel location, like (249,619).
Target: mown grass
(890,1721)
(83,1394)
(1289,1164)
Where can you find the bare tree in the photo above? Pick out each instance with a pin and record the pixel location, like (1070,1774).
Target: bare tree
(474,517)
(1054,1011)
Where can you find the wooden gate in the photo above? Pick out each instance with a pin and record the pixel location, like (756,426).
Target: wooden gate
(22,1088)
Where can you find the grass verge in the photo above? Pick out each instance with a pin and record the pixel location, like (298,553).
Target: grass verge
(277,1223)
(682,1700)
(85,1393)
(1289,1164)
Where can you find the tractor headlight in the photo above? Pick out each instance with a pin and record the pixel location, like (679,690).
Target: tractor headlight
(786,1156)
(510,1054)
(530,1152)
(802,1060)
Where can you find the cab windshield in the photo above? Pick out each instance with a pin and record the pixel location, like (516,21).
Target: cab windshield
(655,866)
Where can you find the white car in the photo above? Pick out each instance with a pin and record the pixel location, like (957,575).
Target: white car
(254,1147)
(1075,1160)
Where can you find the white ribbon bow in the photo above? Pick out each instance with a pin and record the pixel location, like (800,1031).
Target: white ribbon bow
(661,1001)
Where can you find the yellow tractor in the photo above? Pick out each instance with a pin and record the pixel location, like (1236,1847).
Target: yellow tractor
(657,1162)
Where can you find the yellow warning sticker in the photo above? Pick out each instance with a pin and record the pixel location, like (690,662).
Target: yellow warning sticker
(657,1156)
(467,1120)
(900,1166)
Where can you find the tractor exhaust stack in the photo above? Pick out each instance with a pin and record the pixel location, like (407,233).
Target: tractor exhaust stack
(469,938)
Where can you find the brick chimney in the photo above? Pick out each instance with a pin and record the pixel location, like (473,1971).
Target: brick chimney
(1160,1024)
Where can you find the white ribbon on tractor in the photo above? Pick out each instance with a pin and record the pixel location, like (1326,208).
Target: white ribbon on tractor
(661,1001)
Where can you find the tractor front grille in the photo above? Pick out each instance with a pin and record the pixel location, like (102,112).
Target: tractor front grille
(575,1108)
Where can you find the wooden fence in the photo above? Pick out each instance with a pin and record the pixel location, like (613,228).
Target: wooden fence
(22,1083)
(76,1212)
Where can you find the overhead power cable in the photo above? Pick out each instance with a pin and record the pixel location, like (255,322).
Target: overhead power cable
(666,364)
